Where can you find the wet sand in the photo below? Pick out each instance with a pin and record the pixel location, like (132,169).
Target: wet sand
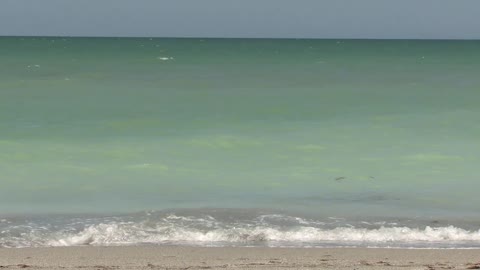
(165,257)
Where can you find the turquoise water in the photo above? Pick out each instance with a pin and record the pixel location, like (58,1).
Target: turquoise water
(318,128)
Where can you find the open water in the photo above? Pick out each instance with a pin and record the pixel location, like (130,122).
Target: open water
(241,142)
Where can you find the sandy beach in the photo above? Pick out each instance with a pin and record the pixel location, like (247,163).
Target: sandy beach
(235,258)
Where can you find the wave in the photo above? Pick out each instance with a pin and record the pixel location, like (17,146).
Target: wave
(118,234)
(263,230)
(114,234)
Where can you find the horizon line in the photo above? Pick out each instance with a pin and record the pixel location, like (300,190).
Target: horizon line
(253,38)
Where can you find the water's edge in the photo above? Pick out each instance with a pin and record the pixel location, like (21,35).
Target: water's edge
(231,227)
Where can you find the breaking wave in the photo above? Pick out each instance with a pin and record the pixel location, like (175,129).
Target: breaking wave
(210,230)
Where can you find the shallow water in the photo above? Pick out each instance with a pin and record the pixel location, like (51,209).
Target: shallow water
(369,131)
(233,227)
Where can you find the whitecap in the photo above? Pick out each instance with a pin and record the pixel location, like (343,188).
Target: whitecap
(165,58)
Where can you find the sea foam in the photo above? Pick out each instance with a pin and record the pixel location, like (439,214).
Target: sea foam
(113,234)
(206,230)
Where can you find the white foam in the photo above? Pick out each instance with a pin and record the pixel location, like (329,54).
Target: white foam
(114,234)
(165,58)
(208,229)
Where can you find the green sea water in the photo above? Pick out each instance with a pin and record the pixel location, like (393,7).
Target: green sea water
(335,127)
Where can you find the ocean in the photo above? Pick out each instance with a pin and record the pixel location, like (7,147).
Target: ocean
(239,142)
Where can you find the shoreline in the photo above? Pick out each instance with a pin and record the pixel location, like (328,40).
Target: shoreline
(183,257)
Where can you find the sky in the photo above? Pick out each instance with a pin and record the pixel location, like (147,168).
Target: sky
(382,19)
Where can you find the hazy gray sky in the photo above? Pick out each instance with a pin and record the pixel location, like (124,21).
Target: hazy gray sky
(443,19)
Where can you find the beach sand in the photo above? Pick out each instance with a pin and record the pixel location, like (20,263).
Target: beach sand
(166,257)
